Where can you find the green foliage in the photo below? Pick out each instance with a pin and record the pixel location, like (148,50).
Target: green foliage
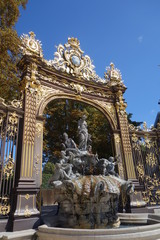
(62,116)
(45,180)
(9,48)
(130,121)
(48,171)
(48,168)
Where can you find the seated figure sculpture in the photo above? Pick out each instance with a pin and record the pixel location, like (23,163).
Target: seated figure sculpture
(112,163)
(86,186)
(107,166)
(68,142)
(62,172)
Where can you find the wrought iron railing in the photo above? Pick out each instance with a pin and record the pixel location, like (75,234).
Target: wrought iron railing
(146,160)
(9,125)
(8,151)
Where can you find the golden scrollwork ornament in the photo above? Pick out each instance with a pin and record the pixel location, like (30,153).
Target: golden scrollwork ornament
(4,206)
(113,76)
(9,167)
(69,58)
(27,196)
(17,103)
(140,170)
(27,212)
(117,138)
(32,84)
(30,45)
(1,120)
(39,128)
(135,142)
(4,209)
(13,118)
(120,104)
(151,159)
(79,88)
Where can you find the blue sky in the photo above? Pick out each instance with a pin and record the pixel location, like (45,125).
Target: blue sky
(126,32)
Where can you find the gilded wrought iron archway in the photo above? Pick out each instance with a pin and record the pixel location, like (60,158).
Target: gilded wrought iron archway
(49,94)
(69,75)
(106,109)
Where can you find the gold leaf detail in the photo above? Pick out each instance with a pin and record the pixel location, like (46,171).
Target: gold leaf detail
(27,212)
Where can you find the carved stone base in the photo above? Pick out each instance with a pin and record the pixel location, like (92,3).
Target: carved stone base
(26,223)
(24,210)
(136,201)
(3,224)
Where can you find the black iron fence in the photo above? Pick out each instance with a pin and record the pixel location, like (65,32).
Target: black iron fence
(9,125)
(146,154)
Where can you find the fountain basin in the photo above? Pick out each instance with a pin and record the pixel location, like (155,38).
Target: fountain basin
(144,226)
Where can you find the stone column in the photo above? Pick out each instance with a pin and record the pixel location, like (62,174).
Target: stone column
(38,150)
(118,152)
(26,214)
(126,144)
(37,159)
(136,198)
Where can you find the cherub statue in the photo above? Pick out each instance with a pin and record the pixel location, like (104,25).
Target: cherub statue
(113,161)
(107,166)
(62,172)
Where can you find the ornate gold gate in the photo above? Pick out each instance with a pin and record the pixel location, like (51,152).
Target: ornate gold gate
(9,126)
(146,159)
(70,75)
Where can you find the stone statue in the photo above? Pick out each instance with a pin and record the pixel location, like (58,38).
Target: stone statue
(86,188)
(111,166)
(64,157)
(68,142)
(62,172)
(107,166)
(84,137)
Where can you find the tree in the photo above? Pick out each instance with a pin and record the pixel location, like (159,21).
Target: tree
(62,116)
(9,48)
(130,121)
(48,171)
(48,168)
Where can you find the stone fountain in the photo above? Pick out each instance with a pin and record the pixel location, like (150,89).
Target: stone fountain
(86,188)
